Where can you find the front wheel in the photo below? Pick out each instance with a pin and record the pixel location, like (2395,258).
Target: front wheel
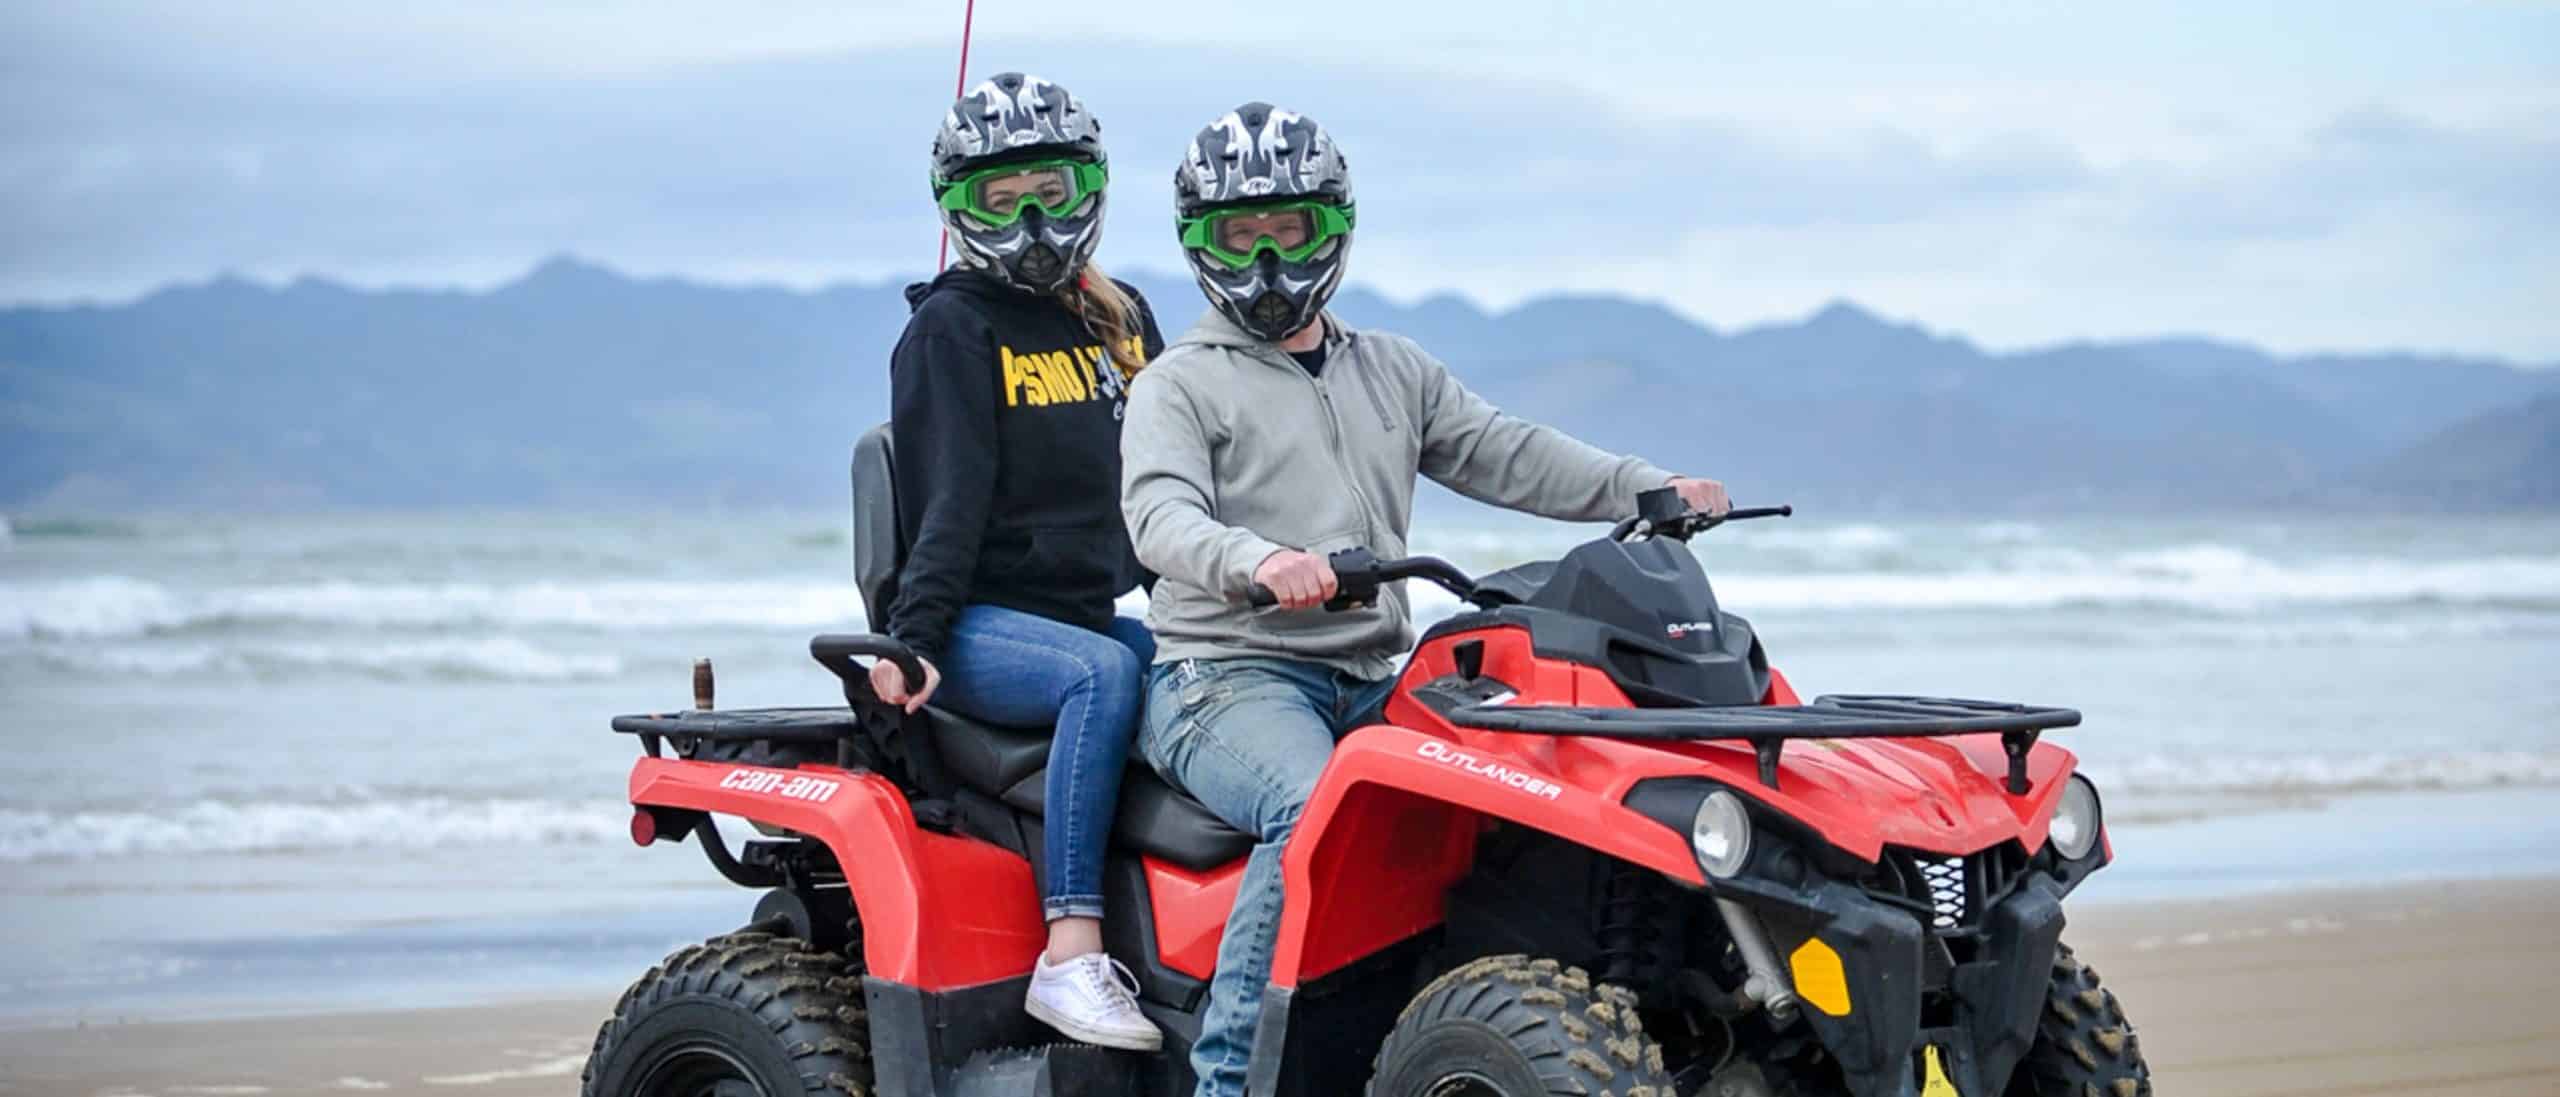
(2084,1044)
(749,1014)
(1510,1026)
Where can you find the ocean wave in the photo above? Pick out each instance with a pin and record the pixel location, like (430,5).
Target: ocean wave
(215,827)
(2204,583)
(2202,577)
(2208,578)
(30,529)
(496,658)
(1852,538)
(2007,533)
(114,606)
(2362,772)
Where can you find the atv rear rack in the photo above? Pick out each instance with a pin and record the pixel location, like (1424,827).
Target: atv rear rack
(1768,728)
(763,736)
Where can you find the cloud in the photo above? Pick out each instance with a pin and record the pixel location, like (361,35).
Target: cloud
(122,170)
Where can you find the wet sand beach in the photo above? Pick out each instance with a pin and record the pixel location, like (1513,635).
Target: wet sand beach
(2438,989)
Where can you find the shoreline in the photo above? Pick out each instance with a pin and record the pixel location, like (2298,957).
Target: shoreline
(2432,988)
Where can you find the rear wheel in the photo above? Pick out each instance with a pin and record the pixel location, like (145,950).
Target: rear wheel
(2084,1046)
(1510,1026)
(749,1014)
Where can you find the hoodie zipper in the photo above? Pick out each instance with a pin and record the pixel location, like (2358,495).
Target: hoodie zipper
(1369,384)
(1341,458)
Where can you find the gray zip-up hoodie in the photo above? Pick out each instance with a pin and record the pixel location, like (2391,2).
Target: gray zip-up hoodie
(1232,452)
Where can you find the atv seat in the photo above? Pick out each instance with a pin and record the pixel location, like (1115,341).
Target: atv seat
(1011,764)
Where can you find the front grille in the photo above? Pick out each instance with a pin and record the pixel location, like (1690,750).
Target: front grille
(1944,881)
(1949,894)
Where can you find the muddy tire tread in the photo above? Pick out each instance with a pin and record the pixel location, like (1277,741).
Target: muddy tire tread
(2085,1046)
(810,1000)
(1582,1037)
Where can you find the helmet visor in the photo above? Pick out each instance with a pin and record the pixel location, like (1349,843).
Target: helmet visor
(1293,231)
(999,195)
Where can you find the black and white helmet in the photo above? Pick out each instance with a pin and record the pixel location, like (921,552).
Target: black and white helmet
(1257,156)
(1012,118)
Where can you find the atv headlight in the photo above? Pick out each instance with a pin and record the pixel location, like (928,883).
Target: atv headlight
(1721,834)
(2074,829)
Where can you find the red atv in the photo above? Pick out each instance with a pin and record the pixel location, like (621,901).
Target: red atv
(1595,845)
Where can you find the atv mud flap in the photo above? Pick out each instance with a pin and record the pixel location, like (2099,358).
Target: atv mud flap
(1874,1023)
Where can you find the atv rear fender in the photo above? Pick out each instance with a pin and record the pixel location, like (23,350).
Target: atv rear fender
(938,912)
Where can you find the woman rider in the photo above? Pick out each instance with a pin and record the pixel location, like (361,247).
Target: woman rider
(1007,391)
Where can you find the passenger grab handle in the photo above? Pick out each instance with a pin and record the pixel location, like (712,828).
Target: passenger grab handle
(836,651)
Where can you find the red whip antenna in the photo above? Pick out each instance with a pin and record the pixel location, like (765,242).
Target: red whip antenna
(959,87)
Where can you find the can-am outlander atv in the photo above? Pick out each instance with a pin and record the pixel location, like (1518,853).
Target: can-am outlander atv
(1595,845)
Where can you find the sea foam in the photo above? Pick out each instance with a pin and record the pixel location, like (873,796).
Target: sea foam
(491,658)
(115,606)
(269,827)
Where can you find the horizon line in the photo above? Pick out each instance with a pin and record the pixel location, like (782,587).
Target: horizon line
(570,259)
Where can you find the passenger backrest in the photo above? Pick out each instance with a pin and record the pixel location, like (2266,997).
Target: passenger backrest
(878,548)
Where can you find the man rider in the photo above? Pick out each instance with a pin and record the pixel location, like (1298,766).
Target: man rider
(1267,437)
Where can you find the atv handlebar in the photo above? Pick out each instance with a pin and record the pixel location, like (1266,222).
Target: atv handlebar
(835,651)
(1358,574)
(1662,513)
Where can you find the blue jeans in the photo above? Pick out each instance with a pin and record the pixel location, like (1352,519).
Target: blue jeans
(1020,669)
(1248,738)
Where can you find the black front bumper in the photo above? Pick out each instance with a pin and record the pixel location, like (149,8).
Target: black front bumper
(1973,992)
(1960,961)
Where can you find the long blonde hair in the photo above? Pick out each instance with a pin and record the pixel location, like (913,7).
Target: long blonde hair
(1110,314)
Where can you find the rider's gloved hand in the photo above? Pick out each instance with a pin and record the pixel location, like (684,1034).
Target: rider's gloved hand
(1707,497)
(1299,579)
(888,683)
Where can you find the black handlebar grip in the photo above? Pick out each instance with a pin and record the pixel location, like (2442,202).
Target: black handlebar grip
(1260,597)
(1740,513)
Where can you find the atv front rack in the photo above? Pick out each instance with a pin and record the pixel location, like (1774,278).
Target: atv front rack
(1768,728)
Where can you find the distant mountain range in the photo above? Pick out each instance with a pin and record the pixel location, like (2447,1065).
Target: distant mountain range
(578,386)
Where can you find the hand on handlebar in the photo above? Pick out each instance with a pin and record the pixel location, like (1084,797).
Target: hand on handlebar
(889,684)
(1296,580)
(1706,497)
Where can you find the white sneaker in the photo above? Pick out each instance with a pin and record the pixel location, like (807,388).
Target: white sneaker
(1092,999)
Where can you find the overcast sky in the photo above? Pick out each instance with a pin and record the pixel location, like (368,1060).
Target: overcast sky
(2332,175)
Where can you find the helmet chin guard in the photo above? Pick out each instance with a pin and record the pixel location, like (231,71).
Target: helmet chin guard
(1037,253)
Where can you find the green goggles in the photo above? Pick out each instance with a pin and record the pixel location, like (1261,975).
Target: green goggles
(999,195)
(1291,230)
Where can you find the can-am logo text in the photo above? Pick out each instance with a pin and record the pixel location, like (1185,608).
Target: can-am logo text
(816,790)
(1443,752)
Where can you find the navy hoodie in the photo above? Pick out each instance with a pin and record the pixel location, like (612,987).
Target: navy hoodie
(1005,417)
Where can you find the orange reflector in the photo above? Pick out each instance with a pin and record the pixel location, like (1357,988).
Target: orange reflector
(1819,979)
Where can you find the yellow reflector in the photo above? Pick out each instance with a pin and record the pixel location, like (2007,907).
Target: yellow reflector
(1819,980)
(1933,1076)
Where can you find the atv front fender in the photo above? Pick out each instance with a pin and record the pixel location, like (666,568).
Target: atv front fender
(983,923)
(1393,825)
